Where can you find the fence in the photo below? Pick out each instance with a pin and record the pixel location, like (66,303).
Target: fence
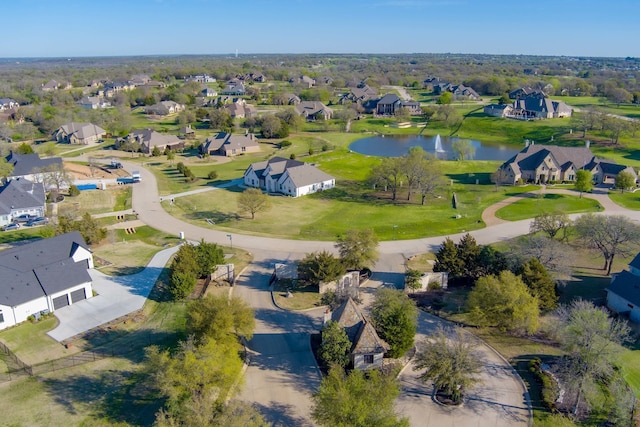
(15,366)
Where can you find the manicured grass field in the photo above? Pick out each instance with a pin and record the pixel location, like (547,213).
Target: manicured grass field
(529,207)
(626,199)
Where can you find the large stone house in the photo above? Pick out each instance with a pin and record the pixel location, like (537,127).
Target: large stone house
(313,110)
(164,108)
(288,177)
(391,103)
(149,139)
(542,164)
(623,293)
(367,348)
(534,105)
(79,133)
(43,276)
(229,145)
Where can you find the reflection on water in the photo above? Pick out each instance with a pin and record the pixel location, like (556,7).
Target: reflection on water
(397,146)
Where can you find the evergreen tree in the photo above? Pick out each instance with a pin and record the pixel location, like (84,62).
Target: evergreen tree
(335,345)
(447,259)
(540,284)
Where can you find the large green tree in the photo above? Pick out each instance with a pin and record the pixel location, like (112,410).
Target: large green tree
(208,256)
(503,301)
(183,272)
(219,318)
(195,380)
(610,235)
(449,360)
(395,317)
(584,181)
(358,249)
(335,346)
(540,283)
(357,400)
(625,180)
(319,267)
(447,259)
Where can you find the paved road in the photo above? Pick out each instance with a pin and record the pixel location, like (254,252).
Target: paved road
(498,400)
(282,372)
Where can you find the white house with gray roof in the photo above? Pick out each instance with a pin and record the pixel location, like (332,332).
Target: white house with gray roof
(289,177)
(21,196)
(43,276)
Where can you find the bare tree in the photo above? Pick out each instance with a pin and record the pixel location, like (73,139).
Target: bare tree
(55,175)
(610,235)
(552,224)
(552,254)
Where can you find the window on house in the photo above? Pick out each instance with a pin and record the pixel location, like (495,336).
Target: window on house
(368,359)
(1,317)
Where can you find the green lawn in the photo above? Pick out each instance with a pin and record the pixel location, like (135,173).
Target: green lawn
(627,200)
(31,344)
(529,207)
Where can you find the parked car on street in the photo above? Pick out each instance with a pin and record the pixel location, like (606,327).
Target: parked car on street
(12,226)
(41,220)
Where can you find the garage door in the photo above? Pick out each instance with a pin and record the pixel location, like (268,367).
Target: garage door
(60,302)
(77,296)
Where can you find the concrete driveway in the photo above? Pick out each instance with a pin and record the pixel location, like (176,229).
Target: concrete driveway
(498,400)
(117,297)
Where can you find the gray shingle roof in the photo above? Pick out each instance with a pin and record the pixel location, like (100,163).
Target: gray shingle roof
(21,194)
(361,333)
(307,174)
(40,268)
(26,164)
(627,286)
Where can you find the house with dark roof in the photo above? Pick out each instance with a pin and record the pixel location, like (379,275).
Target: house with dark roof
(391,103)
(623,293)
(79,133)
(43,276)
(32,167)
(286,176)
(541,164)
(524,92)
(538,106)
(21,196)
(149,139)
(359,95)
(313,110)
(367,348)
(229,145)
(234,87)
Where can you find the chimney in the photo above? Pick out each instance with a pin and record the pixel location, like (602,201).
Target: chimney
(526,142)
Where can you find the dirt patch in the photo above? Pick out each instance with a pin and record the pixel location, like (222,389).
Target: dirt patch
(96,172)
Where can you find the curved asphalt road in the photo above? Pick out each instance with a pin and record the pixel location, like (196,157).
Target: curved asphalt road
(282,373)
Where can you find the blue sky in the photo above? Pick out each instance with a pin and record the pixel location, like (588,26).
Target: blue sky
(67,28)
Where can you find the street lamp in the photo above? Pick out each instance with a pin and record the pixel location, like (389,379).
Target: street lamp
(230,240)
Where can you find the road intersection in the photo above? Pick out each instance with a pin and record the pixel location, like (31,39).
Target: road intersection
(282,373)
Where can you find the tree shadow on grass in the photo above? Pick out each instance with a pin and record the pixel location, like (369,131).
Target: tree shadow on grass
(117,396)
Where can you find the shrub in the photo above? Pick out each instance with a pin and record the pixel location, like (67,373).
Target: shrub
(212,175)
(285,143)
(292,156)
(549,393)
(73,191)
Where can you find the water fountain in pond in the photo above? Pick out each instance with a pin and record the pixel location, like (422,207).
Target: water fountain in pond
(439,149)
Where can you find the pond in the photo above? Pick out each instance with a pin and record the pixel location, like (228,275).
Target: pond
(397,146)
